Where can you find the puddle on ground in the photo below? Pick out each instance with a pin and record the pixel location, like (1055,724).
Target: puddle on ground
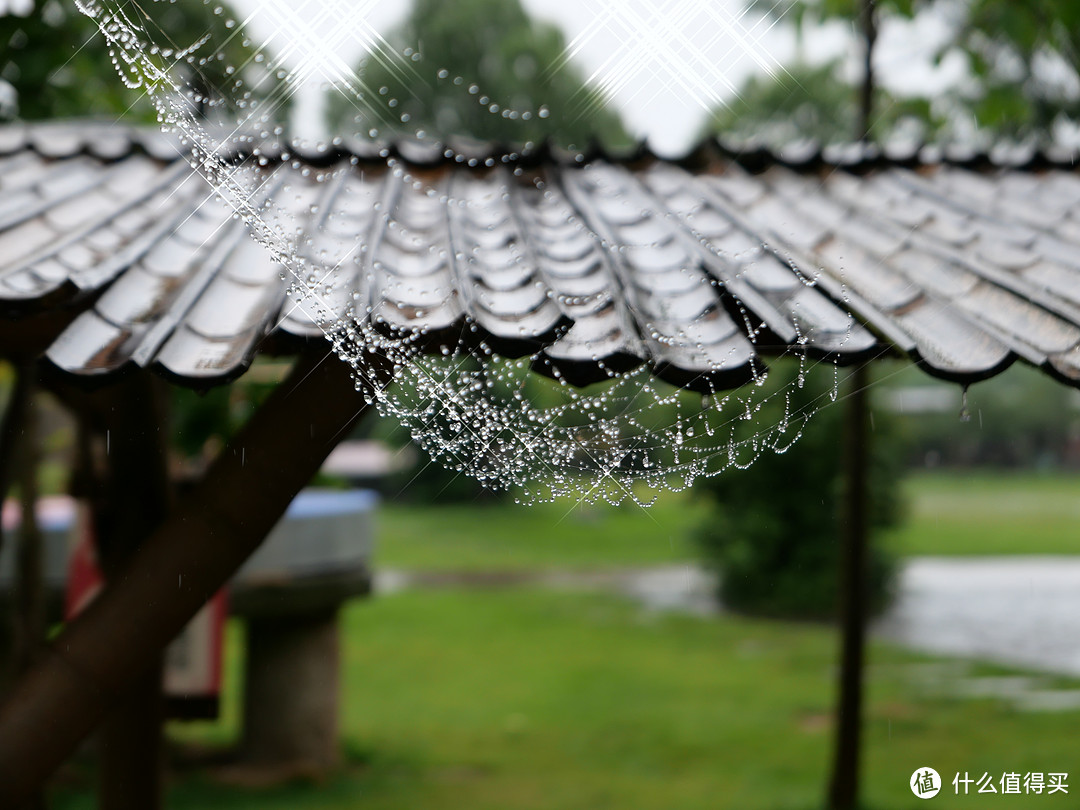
(1017,611)
(1024,693)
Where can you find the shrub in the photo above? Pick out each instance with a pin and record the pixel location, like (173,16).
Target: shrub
(773,532)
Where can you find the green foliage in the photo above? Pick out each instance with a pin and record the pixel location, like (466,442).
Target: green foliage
(945,514)
(555,536)
(774,530)
(432,482)
(202,422)
(807,101)
(56,63)
(479,68)
(1019,419)
(1006,42)
(1024,60)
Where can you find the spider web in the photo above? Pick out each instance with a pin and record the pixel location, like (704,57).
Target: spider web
(473,411)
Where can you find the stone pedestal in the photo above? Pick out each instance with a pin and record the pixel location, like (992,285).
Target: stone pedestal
(291,691)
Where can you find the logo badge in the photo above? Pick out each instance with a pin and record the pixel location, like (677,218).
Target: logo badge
(925,783)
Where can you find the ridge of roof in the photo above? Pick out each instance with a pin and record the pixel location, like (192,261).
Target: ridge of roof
(112,140)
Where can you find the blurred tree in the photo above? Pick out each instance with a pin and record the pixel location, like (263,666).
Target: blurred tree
(479,68)
(1018,419)
(808,101)
(772,532)
(1023,59)
(55,63)
(201,422)
(1026,60)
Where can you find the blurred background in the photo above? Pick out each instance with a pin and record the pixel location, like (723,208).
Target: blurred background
(561,655)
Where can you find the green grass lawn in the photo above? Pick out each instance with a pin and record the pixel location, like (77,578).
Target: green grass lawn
(528,699)
(949,513)
(522,698)
(539,700)
(980,513)
(507,536)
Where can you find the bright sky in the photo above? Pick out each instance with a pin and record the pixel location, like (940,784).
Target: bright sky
(662,62)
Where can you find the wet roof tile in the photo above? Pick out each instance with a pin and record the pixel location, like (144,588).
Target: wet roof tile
(591,267)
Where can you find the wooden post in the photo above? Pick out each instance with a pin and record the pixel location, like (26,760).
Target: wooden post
(20,451)
(844,784)
(132,501)
(29,553)
(100,656)
(11,430)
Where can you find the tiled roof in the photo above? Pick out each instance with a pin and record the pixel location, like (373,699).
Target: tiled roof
(595,264)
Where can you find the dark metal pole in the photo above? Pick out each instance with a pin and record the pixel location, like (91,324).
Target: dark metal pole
(854,550)
(93,664)
(844,784)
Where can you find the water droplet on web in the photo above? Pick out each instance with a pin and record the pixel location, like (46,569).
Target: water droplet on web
(467,407)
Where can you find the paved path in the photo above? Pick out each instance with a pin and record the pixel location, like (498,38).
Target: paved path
(1014,610)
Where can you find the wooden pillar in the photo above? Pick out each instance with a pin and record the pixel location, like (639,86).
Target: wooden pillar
(100,656)
(130,747)
(29,590)
(12,429)
(132,500)
(844,784)
(20,455)
(15,436)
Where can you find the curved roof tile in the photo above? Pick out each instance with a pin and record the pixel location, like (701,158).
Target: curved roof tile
(698,267)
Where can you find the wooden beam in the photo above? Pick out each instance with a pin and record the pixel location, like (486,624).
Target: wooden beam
(854,573)
(94,663)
